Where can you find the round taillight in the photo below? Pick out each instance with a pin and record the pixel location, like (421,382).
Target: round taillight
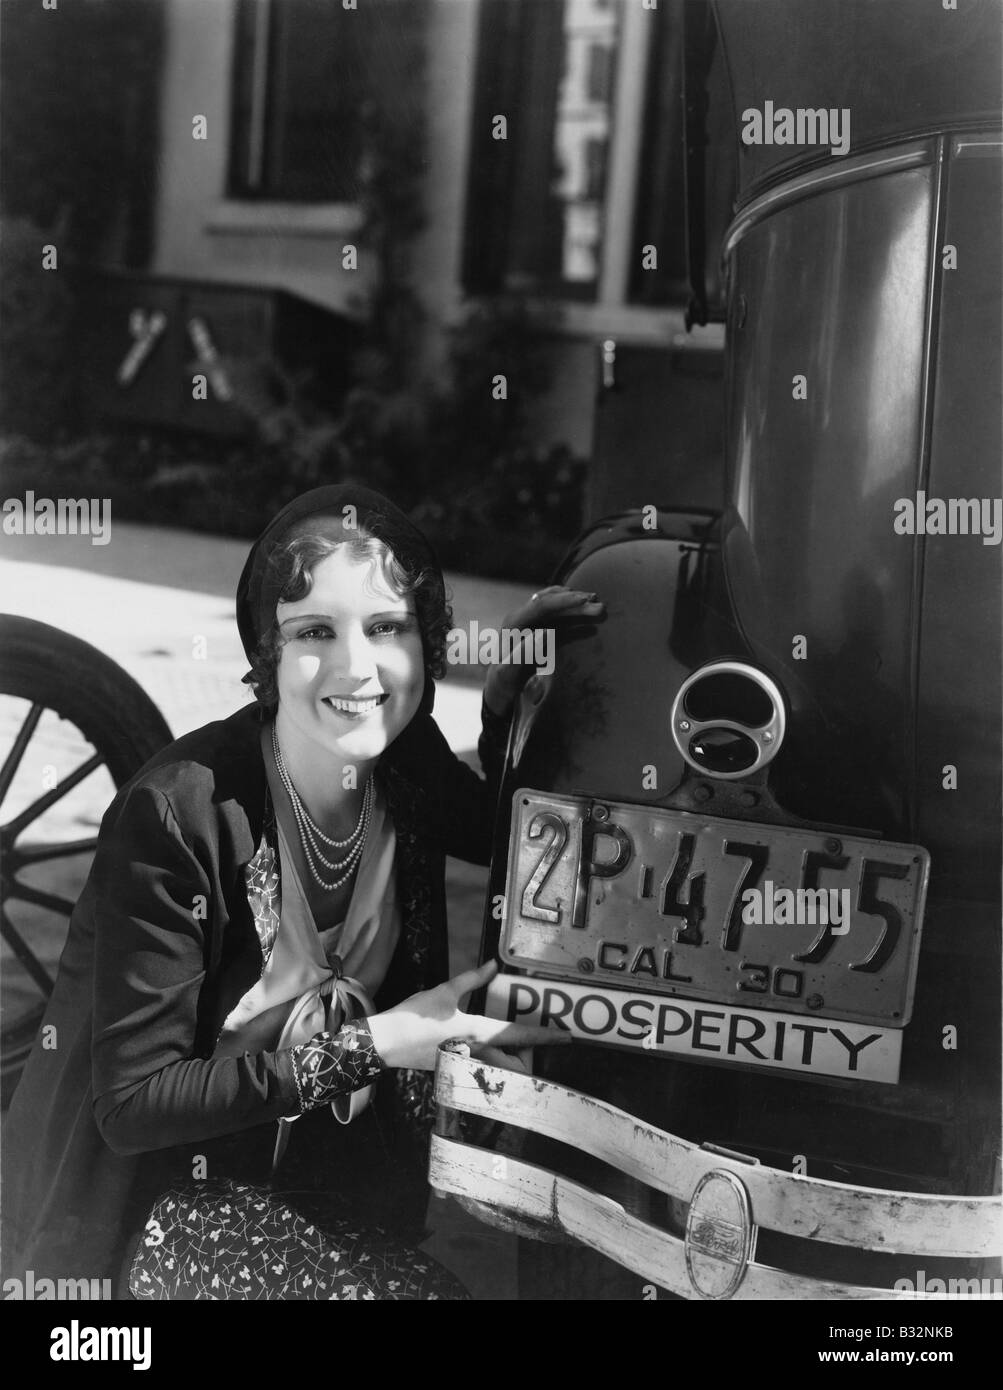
(728,719)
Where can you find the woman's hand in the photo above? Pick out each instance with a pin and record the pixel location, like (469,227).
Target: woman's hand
(409,1034)
(542,612)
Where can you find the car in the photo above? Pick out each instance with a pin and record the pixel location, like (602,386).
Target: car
(748,848)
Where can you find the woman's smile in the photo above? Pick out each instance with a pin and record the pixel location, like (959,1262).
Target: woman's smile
(355,706)
(351,672)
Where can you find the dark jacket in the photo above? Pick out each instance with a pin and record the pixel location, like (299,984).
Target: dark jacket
(161,946)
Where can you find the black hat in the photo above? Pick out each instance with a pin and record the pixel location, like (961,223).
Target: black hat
(345,507)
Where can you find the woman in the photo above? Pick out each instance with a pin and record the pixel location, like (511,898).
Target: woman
(261,937)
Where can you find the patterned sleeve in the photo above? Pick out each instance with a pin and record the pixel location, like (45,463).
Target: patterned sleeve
(333,1064)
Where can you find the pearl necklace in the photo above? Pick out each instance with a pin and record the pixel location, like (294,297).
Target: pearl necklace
(311,834)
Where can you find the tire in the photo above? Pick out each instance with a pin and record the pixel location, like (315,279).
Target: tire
(57,672)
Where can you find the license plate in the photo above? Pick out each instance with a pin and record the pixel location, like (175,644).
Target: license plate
(758,916)
(701,1032)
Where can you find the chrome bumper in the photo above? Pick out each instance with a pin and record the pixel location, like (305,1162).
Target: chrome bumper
(729,1197)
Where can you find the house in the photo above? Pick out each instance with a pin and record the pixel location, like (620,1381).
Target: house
(285,156)
(589,170)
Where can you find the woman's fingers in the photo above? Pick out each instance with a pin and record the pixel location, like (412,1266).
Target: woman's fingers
(469,980)
(560,596)
(554,603)
(495,1031)
(479,1029)
(562,604)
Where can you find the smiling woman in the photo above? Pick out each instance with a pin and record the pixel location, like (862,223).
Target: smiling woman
(351,647)
(344,657)
(256,971)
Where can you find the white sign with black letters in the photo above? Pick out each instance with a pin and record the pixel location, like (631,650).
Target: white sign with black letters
(698,1030)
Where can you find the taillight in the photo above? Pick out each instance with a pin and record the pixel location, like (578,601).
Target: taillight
(728,719)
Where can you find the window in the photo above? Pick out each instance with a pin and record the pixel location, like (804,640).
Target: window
(298,94)
(535,210)
(539,215)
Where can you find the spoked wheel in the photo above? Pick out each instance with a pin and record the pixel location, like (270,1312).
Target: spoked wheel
(73,727)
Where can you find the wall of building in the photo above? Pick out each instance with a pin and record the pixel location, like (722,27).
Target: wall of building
(200,233)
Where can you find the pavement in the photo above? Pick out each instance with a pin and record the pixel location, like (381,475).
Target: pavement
(160,602)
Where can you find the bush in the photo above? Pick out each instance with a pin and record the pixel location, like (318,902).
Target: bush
(465,465)
(513,522)
(491,500)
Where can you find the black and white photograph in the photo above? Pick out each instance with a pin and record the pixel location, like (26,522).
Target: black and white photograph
(500,663)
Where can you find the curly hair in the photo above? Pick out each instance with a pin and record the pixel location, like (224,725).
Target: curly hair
(293,563)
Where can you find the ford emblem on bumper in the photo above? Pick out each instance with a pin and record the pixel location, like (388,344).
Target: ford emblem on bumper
(720,1235)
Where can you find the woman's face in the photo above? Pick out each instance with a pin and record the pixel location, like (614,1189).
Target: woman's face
(351,669)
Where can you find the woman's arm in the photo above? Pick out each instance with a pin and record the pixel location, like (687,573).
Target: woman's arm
(147,896)
(544,612)
(151,901)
